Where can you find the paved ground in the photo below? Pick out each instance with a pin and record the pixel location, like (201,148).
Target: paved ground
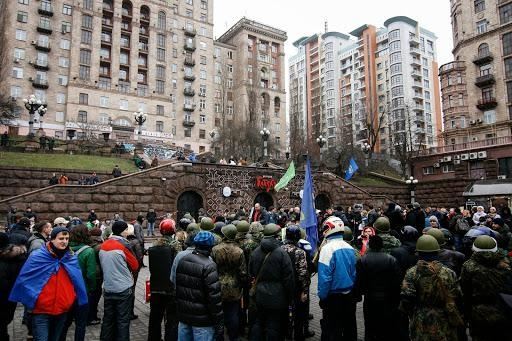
(139,327)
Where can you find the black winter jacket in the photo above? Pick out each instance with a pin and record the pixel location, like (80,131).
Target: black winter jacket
(405,256)
(12,259)
(198,296)
(161,259)
(151,217)
(452,259)
(276,283)
(379,277)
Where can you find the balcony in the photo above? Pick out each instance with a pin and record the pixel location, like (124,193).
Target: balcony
(415,51)
(42,45)
(487,103)
(189,92)
(45,9)
(108,8)
(143,47)
(189,47)
(39,83)
(483,58)
(188,124)
(417,84)
(485,80)
(418,95)
(144,17)
(40,64)
(417,107)
(189,107)
(416,74)
(416,62)
(189,77)
(189,61)
(144,31)
(455,66)
(414,41)
(420,119)
(191,32)
(44,28)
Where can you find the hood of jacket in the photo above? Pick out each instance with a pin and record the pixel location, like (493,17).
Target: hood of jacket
(269,244)
(13,252)
(487,258)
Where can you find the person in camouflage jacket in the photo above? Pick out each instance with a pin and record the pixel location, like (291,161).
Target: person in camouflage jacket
(302,281)
(382,228)
(483,278)
(232,270)
(429,296)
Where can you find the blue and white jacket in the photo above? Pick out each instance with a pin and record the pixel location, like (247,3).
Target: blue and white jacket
(336,267)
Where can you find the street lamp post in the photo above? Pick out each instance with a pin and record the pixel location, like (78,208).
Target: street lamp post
(265,133)
(321,143)
(139,117)
(365,147)
(412,182)
(34,105)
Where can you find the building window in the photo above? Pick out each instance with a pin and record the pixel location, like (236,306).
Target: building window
(508,68)
(487,94)
(483,50)
(82,116)
(188,132)
(160,110)
(428,170)
(123,104)
(63,80)
(202,90)
(448,168)
(393,35)
(61,98)
(63,62)
(87,21)
(66,27)
(83,99)
(161,23)
(507,43)
(481,26)
(159,126)
(17,72)
(479,5)
(160,55)
(86,37)
(65,44)
(160,86)
(22,16)
(67,9)
(21,35)
(204,4)
(202,133)
(506,13)
(104,102)
(490,116)
(23,2)
(202,119)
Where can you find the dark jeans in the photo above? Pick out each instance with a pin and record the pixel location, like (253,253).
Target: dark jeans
(270,325)
(47,327)
(161,306)
(339,312)
(79,314)
(6,317)
(381,319)
(300,318)
(231,319)
(94,300)
(116,316)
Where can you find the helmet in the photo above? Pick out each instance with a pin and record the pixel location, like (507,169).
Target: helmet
(229,231)
(348,236)
(293,233)
(167,227)
(243,226)
(217,227)
(381,225)
(410,234)
(235,222)
(206,224)
(184,223)
(438,235)
(427,243)
(188,216)
(192,227)
(271,229)
(448,236)
(485,243)
(255,227)
(331,223)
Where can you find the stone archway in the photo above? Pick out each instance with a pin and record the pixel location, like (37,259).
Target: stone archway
(264,199)
(189,201)
(322,202)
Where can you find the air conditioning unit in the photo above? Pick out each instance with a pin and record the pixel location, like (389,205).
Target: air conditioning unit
(482,155)
(437,165)
(456,157)
(472,122)
(479,120)
(502,177)
(30,79)
(441,160)
(473,156)
(447,159)
(34,42)
(456,162)
(464,157)
(474,138)
(16,60)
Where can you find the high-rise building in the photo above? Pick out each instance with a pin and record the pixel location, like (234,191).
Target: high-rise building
(96,62)
(376,85)
(477,86)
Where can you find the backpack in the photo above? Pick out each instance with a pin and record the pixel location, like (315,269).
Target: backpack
(79,251)
(462,225)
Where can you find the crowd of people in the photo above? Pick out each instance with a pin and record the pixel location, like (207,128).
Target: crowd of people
(422,274)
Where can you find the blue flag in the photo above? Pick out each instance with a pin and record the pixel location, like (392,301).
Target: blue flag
(307,209)
(352,169)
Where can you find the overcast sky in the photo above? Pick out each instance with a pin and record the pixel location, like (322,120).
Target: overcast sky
(299,17)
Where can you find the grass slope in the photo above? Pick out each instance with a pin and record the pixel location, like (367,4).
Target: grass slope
(65,161)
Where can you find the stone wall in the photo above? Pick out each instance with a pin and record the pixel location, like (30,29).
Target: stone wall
(161,188)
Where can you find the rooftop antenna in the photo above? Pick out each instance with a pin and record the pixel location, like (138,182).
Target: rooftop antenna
(326,26)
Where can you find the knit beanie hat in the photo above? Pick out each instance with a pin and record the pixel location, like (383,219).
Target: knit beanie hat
(204,239)
(57,230)
(118,227)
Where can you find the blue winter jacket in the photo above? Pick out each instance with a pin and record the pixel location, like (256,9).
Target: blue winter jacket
(336,267)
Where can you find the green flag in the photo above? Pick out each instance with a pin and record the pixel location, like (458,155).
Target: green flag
(287,177)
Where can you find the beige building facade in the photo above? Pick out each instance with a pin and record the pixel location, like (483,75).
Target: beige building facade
(97,62)
(477,86)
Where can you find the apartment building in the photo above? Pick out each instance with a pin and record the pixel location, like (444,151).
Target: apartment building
(373,79)
(96,62)
(477,85)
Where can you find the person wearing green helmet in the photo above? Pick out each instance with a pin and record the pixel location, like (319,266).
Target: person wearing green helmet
(483,278)
(429,295)
(232,270)
(382,228)
(447,256)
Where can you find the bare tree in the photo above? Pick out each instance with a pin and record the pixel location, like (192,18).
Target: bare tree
(8,107)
